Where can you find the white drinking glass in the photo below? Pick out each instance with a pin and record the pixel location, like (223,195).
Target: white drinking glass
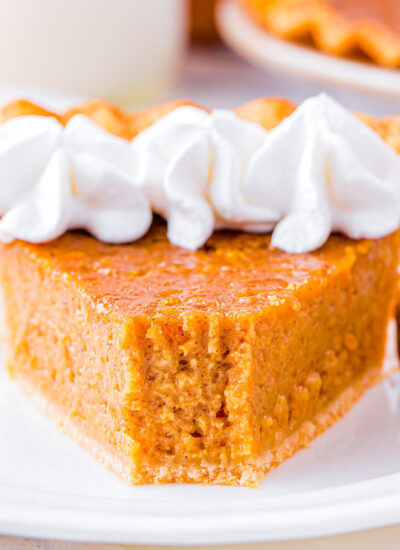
(127,51)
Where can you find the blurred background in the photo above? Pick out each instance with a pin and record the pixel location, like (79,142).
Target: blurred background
(140,52)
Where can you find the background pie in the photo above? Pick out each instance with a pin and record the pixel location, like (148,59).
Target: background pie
(338,27)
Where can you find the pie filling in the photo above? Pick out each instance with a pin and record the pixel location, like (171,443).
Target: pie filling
(216,364)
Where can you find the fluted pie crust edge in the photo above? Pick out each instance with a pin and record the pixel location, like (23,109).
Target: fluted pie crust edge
(328,28)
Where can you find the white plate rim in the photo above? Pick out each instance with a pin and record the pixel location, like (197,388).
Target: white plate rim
(258,46)
(342,509)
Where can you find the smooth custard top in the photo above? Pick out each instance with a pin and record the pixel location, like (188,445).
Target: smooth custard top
(232,272)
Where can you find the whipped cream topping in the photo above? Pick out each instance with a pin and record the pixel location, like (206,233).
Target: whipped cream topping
(192,164)
(320,171)
(334,174)
(53,179)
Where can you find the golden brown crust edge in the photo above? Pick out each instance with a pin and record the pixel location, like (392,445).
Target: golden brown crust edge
(249,474)
(123,124)
(330,31)
(266,111)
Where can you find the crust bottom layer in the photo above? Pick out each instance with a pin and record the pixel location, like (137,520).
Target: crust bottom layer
(250,473)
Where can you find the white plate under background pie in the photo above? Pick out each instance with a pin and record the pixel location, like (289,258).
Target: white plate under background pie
(347,481)
(255,44)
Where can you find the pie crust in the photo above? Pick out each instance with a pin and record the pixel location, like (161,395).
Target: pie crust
(211,366)
(337,27)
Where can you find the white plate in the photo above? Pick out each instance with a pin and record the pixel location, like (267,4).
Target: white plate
(255,44)
(348,480)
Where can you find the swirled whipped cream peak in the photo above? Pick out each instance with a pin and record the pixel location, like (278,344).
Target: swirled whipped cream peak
(321,170)
(79,177)
(338,176)
(192,165)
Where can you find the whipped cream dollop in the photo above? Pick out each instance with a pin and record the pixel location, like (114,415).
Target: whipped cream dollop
(320,171)
(79,177)
(192,166)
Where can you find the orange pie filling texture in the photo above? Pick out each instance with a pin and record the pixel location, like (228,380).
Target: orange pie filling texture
(211,366)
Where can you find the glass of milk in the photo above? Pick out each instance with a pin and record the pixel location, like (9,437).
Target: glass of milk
(126,51)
